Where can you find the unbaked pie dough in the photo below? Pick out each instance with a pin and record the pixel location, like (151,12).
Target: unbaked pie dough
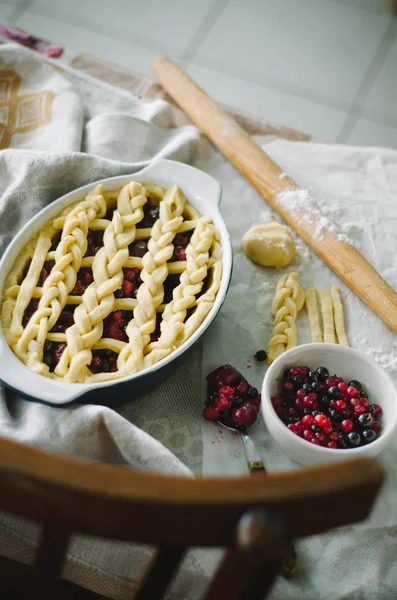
(288,300)
(269,245)
(333,319)
(112,285)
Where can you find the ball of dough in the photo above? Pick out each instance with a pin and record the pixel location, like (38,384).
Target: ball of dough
(269,245)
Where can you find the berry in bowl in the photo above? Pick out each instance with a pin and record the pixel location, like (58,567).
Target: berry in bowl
(325,402)
(231,400)
(326,410)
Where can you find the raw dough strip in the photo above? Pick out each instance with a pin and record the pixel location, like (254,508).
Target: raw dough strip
(84,339)
(328,317)
(98,299)
(339,316)
(288,300)
(61,280)
(184,295)
(313,314)
(155,271)
(17,297)
(206,301)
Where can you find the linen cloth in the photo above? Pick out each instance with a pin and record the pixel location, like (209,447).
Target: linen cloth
(106,132)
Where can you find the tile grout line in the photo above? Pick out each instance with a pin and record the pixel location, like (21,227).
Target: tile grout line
(186,56)
(207,24)
(357,110)
(20,10)
(109,31)
(363,8)
(274,84)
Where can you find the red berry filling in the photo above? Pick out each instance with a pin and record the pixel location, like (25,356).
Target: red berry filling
(181,241)
(151,213)
(103,361)
(55,240)
(137,248)
(94,242)
(52,353)
(65,320)
(326,410)
(130,285)
(45,271)
(231,400)
(109,213)
(114,325)
(84,279)
(170,284)
(154,336)
(30,310)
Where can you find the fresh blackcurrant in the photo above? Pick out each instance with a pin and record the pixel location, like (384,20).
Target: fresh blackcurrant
(366,419)
(336,416)
(252,392)
(322,373)
(353,439)
(237,401)
(334,391)
(369,436)
(316,386)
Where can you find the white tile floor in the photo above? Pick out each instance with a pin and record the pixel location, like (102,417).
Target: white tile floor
(326,67)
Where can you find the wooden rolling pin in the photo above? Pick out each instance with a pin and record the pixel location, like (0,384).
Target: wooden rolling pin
(270,181)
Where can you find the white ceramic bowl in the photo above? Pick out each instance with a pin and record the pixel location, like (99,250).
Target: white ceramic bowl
(204,193)
(347,363)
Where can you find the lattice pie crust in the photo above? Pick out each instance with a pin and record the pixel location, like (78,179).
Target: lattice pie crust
(112,285)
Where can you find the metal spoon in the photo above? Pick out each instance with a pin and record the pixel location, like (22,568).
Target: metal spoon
(255,465)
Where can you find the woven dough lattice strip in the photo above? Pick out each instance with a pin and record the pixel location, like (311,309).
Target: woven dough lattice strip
(60,278)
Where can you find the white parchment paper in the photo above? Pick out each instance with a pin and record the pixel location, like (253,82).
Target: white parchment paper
(357,189)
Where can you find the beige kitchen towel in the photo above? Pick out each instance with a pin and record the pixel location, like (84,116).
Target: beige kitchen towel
(59,131)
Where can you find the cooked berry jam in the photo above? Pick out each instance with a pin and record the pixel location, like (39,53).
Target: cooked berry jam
(181,242)
(170,284)
(55,240)
(206,284)
(138,248)
(130,285)
(154,336)
(114,325)
(30,309)
(103,361)
(325,410)
(94,241)
(84,279)
(109,213)
(65,320)
(231,399)
(151,213)
(52,353)
(45,271)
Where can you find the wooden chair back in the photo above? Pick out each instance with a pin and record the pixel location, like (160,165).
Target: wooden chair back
(253,517)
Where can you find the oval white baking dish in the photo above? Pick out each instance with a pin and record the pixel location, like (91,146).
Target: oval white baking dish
(204,193)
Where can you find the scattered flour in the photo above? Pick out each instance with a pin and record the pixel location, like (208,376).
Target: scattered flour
(386,357)
(296,200)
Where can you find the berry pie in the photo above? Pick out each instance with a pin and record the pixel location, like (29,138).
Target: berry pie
(112,285)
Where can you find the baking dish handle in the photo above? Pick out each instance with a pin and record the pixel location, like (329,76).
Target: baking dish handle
(15,375)
(193,182)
